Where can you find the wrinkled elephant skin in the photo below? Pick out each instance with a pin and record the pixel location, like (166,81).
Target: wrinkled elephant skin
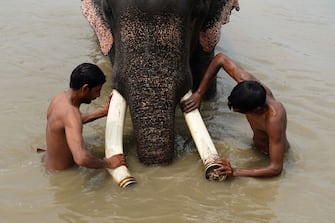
(159,50)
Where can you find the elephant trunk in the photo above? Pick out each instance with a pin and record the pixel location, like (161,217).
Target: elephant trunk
(152,105)
(151,70)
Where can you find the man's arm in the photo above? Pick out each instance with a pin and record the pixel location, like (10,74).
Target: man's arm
(238,73)
(232,69)
(75,141)
(277,147)
(99,113)
(194,101)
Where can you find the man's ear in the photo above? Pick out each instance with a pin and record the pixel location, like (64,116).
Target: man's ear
(85,89)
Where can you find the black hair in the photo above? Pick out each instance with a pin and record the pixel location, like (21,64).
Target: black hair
(246,96)
(86,73)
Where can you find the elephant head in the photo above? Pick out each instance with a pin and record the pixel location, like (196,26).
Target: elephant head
(159,50)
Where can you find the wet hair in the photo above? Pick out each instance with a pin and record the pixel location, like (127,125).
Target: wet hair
(246,96)
(86,73)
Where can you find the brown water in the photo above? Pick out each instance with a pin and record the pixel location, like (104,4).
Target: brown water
(289,45)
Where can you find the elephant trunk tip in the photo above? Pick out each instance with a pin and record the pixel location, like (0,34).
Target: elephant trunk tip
(153,156)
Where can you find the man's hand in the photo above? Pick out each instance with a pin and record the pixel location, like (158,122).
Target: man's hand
(106,107)
(225,169)
(192,103)
(115,161)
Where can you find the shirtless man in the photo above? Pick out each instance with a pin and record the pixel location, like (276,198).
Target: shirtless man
(65,144)
(266,116)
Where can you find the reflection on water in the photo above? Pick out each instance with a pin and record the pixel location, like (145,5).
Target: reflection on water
(289,45)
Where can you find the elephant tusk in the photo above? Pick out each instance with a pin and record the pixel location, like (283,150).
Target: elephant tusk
(203,142)
(113,138)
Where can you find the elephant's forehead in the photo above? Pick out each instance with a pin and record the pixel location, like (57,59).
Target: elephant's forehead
(164,30)
(154,6)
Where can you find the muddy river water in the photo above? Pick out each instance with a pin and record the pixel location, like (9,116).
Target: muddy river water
(289,45)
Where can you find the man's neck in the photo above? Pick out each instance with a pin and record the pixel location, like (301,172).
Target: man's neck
(73,96)
(260,110)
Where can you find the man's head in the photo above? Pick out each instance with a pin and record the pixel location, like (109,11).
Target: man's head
(89,79)
(246,96)
(86,73)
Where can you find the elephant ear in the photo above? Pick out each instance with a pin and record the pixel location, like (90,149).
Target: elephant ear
(94,14)
(219,14)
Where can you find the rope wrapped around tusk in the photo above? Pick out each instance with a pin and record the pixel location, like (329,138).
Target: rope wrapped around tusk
(203,142)
(114,138)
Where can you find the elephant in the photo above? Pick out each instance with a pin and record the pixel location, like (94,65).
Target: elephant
(159,50)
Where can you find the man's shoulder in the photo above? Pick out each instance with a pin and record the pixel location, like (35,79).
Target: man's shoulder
(62,108)
(69,111)
(277,113)
(277,105)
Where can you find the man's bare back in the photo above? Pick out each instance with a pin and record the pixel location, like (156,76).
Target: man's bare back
(259,123)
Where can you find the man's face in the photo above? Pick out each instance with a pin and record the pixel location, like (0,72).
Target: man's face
(92,94)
